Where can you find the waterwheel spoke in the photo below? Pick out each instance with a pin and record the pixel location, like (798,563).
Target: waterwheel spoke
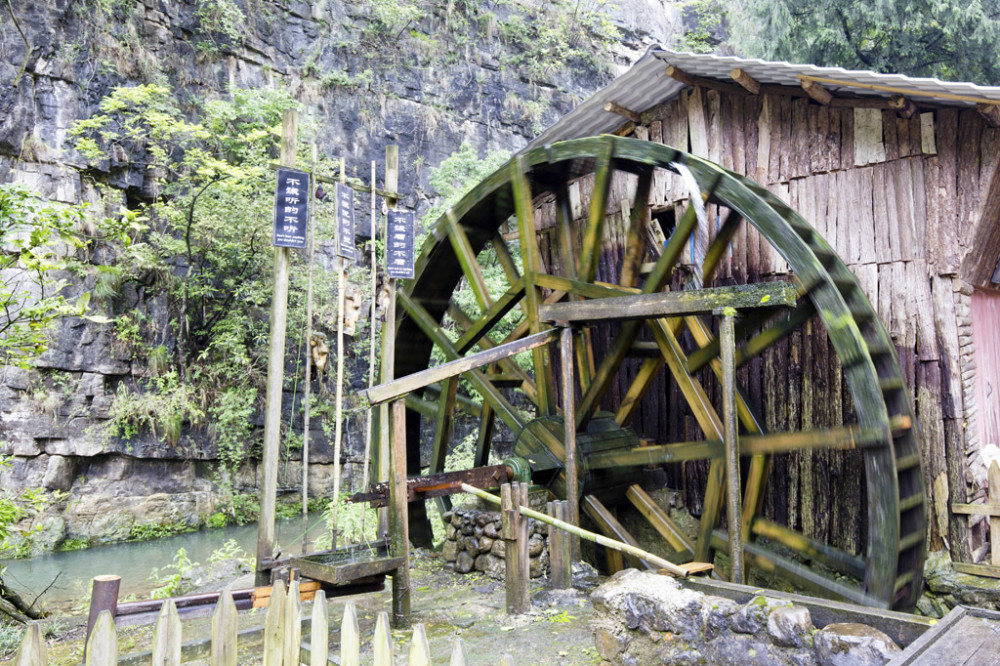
(442,432)
(484,439)
(567,239)
(635,240)
(487,342)
(532,261)
(637,389)
(745,326)
(798,573)
(591,248)
(839,560)
(493,315)
(717,250)
(671,532)
(467,260)
(619,348)
(507,412)
(710,423)
(703,338)
(505,259)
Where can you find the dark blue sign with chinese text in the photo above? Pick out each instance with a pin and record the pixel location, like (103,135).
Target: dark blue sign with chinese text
(345,222)
(399,245)
(291,208)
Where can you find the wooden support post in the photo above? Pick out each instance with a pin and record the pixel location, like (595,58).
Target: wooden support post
(560,549)
(372,226)
(388,337)
(734,511)
(569,423)
(399,521)
(514,532)
(275,377)
(103,597)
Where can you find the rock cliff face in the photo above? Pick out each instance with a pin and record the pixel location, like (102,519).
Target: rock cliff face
(426,76)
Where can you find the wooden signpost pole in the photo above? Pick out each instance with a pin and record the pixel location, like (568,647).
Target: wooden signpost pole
(307,392)
(338,410)
(388,336)
(275,375)
(374,316)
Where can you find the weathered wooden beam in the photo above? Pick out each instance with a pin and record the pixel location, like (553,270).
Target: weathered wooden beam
(987,570)
(896,89)
(976,509)
(991,112)
(751,84)
(904,106)
(624,112)
(403,385)
(672,303)
(817,92)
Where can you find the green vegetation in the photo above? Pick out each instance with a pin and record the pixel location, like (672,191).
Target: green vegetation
(202,243)
(172,580)
(148,531)
(948,39)
(32,232)
(708,16)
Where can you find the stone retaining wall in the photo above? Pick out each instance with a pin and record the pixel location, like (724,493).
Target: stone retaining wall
(473,543)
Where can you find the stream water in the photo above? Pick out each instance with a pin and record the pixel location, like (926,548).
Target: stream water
(135,561)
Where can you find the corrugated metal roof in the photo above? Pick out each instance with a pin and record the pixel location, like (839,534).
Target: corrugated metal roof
(646,84)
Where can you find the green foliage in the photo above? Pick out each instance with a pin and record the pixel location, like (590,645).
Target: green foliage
(74,544)
(231,551)
(37,238)
(171,580)
(10,512)
(231,425)
(222,17)
(556,34)
(150,531)
(10,637)
(162,409)
(708,16)
(356,523)
(235,508)
(203,243)
(950,39)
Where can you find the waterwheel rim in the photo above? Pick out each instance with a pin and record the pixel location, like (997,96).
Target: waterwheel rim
(890,571)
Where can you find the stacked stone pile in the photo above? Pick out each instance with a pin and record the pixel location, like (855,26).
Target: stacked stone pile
(474,543)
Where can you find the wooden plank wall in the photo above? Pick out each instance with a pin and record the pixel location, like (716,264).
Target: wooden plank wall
(898,199)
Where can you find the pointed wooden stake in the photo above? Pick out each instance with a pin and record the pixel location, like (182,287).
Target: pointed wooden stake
(382,645)
(167,636)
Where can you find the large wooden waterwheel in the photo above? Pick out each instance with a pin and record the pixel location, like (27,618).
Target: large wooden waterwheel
(500,211)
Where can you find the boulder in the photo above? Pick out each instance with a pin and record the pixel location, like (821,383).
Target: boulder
(852,644)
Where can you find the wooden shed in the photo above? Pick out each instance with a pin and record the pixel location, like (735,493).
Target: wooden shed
(899,175)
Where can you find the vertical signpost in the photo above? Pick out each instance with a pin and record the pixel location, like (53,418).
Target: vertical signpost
(290,215)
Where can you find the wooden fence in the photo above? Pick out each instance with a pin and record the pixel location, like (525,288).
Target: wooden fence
(282,633)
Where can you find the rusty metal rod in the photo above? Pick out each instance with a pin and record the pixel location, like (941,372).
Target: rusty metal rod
(655,560)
